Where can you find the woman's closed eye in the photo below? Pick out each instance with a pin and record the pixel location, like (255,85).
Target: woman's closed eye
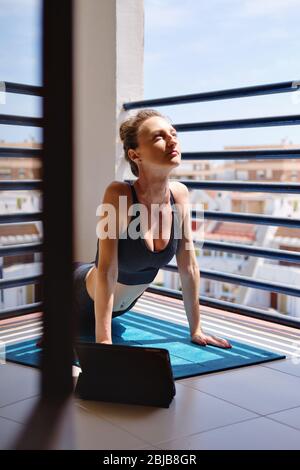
(159,136)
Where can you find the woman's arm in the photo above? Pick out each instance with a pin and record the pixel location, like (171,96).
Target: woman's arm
(190,275)
(187,262)
(107,270)
(103,301)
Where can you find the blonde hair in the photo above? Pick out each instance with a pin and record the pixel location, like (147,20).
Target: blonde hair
(129,133)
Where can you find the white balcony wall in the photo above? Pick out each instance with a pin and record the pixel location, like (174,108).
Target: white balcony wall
(285,275)
(108,71)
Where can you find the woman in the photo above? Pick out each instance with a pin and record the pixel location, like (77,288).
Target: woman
(124,267)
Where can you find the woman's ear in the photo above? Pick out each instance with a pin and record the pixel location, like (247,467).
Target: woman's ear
(133,155)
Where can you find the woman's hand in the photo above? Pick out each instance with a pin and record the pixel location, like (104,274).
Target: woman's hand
(202,339)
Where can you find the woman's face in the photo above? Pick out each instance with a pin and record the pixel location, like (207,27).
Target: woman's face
(157,138)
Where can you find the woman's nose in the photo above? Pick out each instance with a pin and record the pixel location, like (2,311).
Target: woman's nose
(173,139)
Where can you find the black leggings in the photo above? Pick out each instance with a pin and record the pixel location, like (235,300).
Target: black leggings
(83,303)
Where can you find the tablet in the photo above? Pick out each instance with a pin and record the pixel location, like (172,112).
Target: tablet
(125,374)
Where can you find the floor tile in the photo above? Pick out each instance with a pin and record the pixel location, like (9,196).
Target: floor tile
(9,430)
(94,433)
(254,434)
(17,383)
(85,430)
(289,366)
(20,411)
(259,389)
(290,417)
(190,411)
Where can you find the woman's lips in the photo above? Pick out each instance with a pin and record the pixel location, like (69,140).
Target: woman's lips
(173,153)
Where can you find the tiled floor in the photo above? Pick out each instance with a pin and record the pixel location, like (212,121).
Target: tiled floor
(254,407)
(238,409)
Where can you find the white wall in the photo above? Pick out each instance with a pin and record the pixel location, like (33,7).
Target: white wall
(108,70)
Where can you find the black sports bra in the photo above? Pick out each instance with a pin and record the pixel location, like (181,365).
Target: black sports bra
(137,264)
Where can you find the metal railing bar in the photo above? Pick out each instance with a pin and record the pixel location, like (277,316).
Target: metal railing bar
(20,311)
(15,185)
(13,120)
(230,307)
(11,152)
(242,280)
(265,187)
(247,218)
(289,188)
(23,248)
(16,217)
(242,92)
(20,281)
(267,121)
(242,154)
(23,89)
(279,255)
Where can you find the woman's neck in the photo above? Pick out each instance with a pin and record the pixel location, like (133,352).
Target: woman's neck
(153,192)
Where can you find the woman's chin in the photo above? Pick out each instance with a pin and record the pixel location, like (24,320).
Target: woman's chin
(175,161)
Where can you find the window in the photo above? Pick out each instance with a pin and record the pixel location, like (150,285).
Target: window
(260,174)
(5,173)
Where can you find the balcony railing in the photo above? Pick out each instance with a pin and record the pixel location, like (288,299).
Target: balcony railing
(13,185)
(292,188)
(262,252)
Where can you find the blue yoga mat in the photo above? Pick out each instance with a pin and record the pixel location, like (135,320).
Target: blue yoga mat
(187,359)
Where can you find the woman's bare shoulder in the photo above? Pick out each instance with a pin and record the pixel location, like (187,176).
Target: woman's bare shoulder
(180,191)
(114,190)
(118,187)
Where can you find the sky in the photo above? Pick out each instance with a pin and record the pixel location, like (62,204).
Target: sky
(193,46)
(20,62)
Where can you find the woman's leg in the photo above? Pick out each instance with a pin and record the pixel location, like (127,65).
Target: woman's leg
(83,304)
